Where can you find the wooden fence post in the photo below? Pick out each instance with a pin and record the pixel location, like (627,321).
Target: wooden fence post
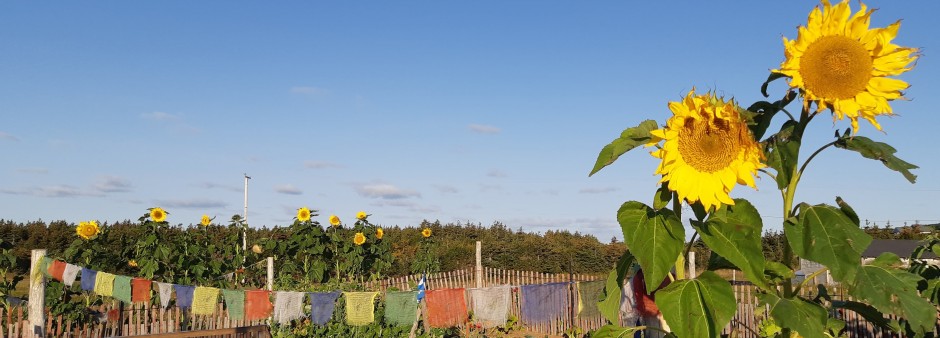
(270,274)
(37,295)
(479,269)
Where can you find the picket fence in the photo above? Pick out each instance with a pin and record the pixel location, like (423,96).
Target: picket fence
(117,319)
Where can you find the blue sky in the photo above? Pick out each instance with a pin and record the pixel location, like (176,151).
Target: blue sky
(453,111)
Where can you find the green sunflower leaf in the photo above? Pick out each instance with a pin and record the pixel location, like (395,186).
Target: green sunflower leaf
(878,151)
(871,314)
(808,319)
(630,138)
(613,290)
(614,331)
(824,234)
(770,78)
(662,197)
(734,232)
(699,307)
(848,211)
(892,290)
(783,150)
(655,237)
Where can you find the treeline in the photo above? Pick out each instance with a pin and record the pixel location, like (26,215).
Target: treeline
(503,247)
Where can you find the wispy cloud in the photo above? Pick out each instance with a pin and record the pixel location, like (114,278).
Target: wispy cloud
(603,190)
(408,205)
(384,191)
(7,136)
(33,171)
(308,90)
(321,165)
(484,129)
(159,116)
(485,187)
(210,185)
(108,184)
(174,122)
(59,190)
(496,173)
(446,189)
(195,203)
(287,189)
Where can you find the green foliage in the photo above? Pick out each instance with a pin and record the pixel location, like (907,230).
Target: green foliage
(809,319)
(825,234)
(878,151)
(609,306)
(699,307)
(892,290)
(783,150)
(733,231)
(630,138)
(655,237)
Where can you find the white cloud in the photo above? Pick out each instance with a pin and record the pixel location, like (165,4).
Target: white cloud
(603,190)
(484,129)
(446,189)
(194,203)
(159,116)
(312,91)
(385,191)
(287,189)
(409,205)
(484,187)
(210,185)
(496,173)
(108,184)
(321,165)
(7,136)
(59,190)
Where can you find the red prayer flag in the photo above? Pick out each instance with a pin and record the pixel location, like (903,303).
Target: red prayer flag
(258,304)
(140,290)
(646,303)
(56,269)
(446,307)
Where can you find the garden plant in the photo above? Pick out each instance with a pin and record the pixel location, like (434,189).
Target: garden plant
(838,65)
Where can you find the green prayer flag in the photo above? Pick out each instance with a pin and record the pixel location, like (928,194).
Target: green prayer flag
(234,303)
(401,307)
(589,293)
(122,289)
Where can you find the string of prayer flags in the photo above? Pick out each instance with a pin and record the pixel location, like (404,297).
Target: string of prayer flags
(360,307)
(140,290)
(491,305)
(257,304)
(288,305)
(204,300)
(56,269)
(589,293)
(446,307)
(166,289)
(184,295)
(122,288)
(234,303)
(322,305)
(401,307)
(542,303)
(89,277)
(70,273)
(104,284)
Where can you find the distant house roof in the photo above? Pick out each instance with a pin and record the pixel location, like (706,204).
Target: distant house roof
(900,247)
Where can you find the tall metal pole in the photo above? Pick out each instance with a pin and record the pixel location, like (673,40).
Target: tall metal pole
(245,221)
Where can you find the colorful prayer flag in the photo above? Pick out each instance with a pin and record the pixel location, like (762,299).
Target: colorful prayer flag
(166,290)
(89,277)
(104,284)
(140,290)
(204,300)
(401,307)
(542,303)
(288,305)
(322,305)
(491,305)
(360,307)
(257,304)
(234,303)
(184,295)
(56,269)
(122,288)
(589,294)
(70,273)
(446,307)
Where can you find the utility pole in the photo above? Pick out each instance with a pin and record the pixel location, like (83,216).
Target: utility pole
(245,221)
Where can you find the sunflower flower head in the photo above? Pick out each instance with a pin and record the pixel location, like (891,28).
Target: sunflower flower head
(87,230)
(426,232)
(157,215)
(334,220)
(707,149)
(303,214)
(841,64)
(256,249)
(362,215)
(379,233)
(359,239)
(132,263)
(205,221)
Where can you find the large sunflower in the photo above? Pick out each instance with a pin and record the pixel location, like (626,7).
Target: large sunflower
(707,150)
(359,238)
(157,214)
(87,230)
(841,64)
(303,214)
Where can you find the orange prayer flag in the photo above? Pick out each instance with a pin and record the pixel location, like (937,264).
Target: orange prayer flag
(140,290)
(56,269)
(446,308)
(258,304)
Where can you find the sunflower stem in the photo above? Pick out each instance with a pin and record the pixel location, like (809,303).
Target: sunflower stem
(772,176)
(784,110)
(680,261)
